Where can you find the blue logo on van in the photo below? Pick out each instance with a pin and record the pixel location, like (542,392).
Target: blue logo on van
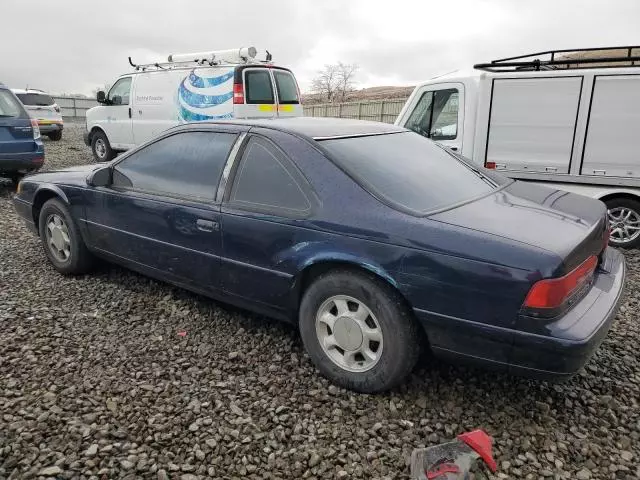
(206,98)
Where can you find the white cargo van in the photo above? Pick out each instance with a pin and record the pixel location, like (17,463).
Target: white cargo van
(188,88)
(569,118)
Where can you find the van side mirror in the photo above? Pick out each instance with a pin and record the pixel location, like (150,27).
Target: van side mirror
(101,97)
(100,177)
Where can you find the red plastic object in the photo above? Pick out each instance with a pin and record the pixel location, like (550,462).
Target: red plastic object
(443,470)
(480,442)
(182,333)
(238,93)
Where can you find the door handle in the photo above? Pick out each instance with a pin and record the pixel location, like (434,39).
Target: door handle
(207,225)
(129,112)
(455,149)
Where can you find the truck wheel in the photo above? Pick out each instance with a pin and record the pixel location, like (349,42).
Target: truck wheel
(358,331)
(624,220)
(101,147)
(55,136)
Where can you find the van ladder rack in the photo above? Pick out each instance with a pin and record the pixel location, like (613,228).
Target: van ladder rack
(193,63)
(565,59)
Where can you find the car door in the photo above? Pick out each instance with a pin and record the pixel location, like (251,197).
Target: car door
(118,126)
(435,114)
(264,207)
(160,212)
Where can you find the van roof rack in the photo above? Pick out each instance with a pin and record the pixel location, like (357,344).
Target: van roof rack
(567,59)
(241,56)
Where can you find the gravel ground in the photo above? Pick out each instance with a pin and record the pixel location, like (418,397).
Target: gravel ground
(97,382)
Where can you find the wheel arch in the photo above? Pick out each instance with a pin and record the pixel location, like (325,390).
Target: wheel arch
(94,130)
(619,194)
(44,193)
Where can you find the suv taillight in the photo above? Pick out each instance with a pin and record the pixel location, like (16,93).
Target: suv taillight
(551,293)
(238,93)
(36,129)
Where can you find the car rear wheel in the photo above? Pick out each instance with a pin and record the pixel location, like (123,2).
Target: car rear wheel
(358,331)
(624,220)
(61,239)
(55,136)
(101,147)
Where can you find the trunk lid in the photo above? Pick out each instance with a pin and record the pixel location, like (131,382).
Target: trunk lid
(569,225)
(16,135)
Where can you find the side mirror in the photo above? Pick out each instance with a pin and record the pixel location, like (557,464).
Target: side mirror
(116,100)
(100,177)
(101,97)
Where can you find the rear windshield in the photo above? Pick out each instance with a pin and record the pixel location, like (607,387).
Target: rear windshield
(258,86)
(9,106)
(408,171)
(287,88)
(36,99)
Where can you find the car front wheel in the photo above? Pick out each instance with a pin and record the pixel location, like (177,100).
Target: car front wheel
(101,148)
(61,239)
(358,331)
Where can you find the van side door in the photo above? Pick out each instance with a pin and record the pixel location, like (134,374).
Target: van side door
(118,124)
(436,114)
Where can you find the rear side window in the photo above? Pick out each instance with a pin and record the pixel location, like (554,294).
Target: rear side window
(266,181)
(287,88)
(35,99)
(9,106)
(258,86)
(187,164)
(408,171)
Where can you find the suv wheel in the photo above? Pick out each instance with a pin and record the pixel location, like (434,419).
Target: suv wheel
(55,136)
(101,147)
(358,331)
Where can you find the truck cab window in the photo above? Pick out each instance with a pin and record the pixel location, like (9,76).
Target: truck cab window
(436,115)
(119,93)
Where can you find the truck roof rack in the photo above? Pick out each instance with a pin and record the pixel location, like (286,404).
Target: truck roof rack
(601,57)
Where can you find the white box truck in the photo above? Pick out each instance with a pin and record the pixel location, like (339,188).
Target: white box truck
(189,87)
(568,118)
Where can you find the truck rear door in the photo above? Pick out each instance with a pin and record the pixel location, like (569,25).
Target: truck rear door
(612,143)
(259,93)
(288,93)
(435,114)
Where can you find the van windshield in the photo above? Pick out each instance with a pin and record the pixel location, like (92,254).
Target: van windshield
(36,99)
(9,106)
(409,171)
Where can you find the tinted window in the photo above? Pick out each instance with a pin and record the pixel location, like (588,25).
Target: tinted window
(266,181)
(436,115)
(187,164)
(258,86)
(9,106)
(119,93)
(287,88)
(408,170)
(37,99)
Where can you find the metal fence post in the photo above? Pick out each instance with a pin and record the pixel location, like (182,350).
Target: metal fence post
(382,110)
(325,110)
(340,110)
(359,110)
(75,110)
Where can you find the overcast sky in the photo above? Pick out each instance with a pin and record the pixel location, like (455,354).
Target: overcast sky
(73,46)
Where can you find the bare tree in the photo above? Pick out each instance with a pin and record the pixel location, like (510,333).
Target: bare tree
(335,81)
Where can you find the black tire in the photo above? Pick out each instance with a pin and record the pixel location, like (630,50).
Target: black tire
(100,154)
(400,331)
(80,260)
(15,178)
(55,136)
(616,204)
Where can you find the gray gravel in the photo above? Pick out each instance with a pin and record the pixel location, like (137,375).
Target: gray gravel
(95,382)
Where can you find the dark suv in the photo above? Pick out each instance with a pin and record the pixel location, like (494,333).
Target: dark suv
(21,148)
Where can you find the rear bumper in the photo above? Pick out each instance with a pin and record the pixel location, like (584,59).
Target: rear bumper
(21,162)
(566,345)
(25,209)
(50,127)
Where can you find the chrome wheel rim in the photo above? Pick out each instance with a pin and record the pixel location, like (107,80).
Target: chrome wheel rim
(349,333)
(101,148)
(57,235)
(625,225)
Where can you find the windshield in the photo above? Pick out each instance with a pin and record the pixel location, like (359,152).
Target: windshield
(36,99)
(409,171)
(9,106)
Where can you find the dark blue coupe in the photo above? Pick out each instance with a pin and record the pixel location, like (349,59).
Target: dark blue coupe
(374,240)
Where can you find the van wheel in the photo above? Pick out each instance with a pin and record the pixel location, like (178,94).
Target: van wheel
(55,136)
(101,147)
(624,220)
(358,331)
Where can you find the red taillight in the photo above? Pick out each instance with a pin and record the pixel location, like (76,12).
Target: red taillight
(551,293)
(490,165)
(238,93)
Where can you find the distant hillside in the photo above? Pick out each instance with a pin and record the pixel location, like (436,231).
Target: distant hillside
(365,94)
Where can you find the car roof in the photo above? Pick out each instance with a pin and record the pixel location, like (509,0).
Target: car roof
(28,90)
(319,128)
